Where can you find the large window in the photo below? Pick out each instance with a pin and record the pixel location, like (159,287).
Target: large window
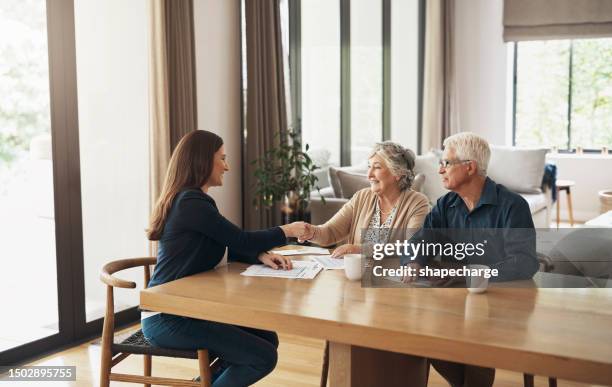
(366,77)
(563,93)
(355,68)
(113,143)
(27,220)
(73,177)
(320,65)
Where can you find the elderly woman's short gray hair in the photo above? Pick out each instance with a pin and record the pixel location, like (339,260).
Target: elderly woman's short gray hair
(470,146)
(399,160)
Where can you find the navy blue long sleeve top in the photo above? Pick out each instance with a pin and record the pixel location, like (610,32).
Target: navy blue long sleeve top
(501,217)
(196,235)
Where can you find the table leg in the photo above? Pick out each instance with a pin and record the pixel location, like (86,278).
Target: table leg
(353,366)
(528,379)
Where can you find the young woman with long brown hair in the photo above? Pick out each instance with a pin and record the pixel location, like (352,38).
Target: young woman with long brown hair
(194,237)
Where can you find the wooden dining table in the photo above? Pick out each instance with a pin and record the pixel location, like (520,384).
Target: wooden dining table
(557,332)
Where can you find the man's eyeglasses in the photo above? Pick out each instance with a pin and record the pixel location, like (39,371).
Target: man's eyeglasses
(446,163)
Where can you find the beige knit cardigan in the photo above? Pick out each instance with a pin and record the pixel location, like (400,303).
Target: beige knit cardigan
(354,217)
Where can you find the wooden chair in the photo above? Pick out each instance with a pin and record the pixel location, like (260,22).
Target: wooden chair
(136,344)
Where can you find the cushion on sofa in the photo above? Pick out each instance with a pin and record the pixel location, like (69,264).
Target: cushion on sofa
(351,182)
(322,175)
(333,176)
(518,169)
(419,181)
(427,164)
(333,181)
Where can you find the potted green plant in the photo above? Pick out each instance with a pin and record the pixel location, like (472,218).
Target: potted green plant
(284,175)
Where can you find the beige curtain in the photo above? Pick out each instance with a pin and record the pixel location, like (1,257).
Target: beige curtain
(265,113)
(172,96)
(172,89)
(440,110)
(159,105)
(180,45)
(556,19)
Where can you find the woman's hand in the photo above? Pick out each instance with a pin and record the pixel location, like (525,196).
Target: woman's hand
(275,261)
(309,233)
(346,249)
(295,229)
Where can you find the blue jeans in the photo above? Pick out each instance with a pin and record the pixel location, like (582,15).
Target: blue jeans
(249,354)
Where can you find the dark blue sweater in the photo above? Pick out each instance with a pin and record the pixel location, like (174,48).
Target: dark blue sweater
(195,237)
(501,217)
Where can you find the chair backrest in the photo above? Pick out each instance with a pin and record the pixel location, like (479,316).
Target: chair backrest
(107,276)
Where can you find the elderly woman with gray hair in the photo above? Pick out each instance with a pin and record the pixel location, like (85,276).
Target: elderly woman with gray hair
(388,205)
(372,213)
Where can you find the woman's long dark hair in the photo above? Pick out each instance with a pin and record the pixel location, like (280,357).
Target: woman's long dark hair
(190,167)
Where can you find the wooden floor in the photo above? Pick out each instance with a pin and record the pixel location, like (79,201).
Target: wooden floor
(299,366)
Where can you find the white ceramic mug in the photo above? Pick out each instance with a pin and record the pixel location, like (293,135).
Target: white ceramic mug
(352,266)
(478,283)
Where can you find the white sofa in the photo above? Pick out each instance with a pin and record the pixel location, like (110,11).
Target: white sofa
(520,170)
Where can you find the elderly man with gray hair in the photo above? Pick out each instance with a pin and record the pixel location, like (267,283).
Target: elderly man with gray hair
(477,206)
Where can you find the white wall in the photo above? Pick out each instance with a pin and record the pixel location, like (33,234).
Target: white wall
(591,174)
(217,44)
(481,58)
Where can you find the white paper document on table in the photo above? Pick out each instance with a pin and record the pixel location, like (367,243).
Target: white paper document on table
(327,261)
(302,250)
(301,270)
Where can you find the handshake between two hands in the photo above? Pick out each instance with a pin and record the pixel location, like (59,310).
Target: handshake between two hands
(301,230)
(305,232)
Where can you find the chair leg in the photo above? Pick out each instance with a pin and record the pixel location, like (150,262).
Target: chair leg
(106,354)
(204,363)
(325,368)
(528,379)
(147,367)
(558,205)
(106,357)
(569,206)
(552,382)
(105,371)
